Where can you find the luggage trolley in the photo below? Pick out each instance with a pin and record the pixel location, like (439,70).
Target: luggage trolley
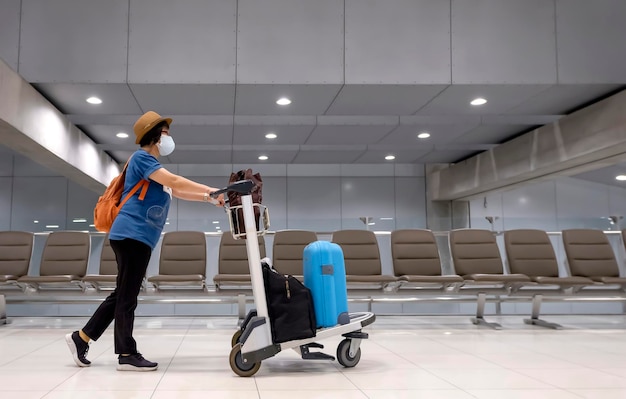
(252,342)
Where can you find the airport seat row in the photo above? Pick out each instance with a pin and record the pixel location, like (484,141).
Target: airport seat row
(417,266)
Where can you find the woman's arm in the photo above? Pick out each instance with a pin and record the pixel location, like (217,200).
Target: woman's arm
(184,188)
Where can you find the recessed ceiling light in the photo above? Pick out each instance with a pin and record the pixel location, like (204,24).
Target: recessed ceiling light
(271,136)
(283,101)
(122,135)
(35,221)
(478,101)
(94,100)
(263,158)
(79,220)
(620,177)
(390,157)
(52,226)
(423,135)
(216,222)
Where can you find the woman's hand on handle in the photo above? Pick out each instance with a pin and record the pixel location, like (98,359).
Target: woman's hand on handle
(217,201)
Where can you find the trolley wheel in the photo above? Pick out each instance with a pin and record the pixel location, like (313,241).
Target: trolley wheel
(238,366)
(235,339)
(343,354)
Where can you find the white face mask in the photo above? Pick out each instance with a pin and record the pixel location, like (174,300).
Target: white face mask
(166,145)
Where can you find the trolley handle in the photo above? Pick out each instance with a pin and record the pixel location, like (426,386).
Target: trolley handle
(242,187)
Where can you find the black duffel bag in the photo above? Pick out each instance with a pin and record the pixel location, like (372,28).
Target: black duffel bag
(290,306)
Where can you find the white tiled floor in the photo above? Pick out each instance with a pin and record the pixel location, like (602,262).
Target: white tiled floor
(406,357)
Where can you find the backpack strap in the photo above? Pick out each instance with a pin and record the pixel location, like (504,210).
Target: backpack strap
(142,195)
(142,183)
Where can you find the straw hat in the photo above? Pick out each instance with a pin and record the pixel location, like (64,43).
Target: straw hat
(146,122)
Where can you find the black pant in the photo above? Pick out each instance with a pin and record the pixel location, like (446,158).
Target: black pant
(132,261)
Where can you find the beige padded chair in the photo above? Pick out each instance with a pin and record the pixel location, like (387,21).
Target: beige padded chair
(416,260)
(589,254)
(476,258)
(530,252)
(362,258)
(233,268)
(288,249)
(16,248)
(107,276)
(63,262)
(182,262)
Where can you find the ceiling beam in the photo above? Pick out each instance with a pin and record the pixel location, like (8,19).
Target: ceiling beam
(583,140)
(33,127)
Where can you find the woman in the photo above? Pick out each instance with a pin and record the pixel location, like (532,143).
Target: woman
(134,234)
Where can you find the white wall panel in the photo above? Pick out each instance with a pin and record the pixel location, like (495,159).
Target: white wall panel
(530,207)
(496,41)
(410,203)
(39,198)
(24,166)
(617,206)
(10,32)
(5,202)
(590,41)
(486,206)
(199,216)
(80,204)
(290,41)
(6,161)
(386,41)
(582,204)
(367,197)
(275,198)
(186,41)
(74,41)
(314,203)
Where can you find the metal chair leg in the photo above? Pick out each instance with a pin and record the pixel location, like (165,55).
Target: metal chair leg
(534,318)
(479,320)
(3,310)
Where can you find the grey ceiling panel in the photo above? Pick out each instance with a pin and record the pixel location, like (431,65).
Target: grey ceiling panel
(10,32)
(305,99)
(445,156)
(364,76)
(290,41)
(74,41)
(255,134)
(383,99)
(183,41)
(388,35)
(327,156)
(200,157)
(406,133)
(495,41)
(377,155)
(251,157)
(188,99)
(500,98)
(71,98)
(561,99)
(491,134)
(590,41)
(348,134)
(121,156)
(605,175)
(201,135)
(106,134)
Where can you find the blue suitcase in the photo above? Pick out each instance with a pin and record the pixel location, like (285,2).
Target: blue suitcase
(325,276)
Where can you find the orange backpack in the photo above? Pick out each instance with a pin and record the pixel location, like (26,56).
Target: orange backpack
(108,205)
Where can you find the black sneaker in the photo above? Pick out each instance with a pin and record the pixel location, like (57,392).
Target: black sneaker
(79,349)
(135,362)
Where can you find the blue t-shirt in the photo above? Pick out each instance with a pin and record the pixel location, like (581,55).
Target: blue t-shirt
(142,220)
